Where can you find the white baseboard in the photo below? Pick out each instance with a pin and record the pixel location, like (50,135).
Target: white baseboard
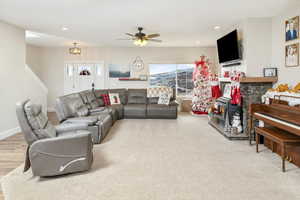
(9,133)
(50,109)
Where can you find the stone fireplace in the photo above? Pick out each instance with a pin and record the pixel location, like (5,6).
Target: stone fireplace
(252,88)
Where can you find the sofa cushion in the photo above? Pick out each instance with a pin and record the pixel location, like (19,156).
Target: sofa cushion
(137,96)
(82,111)
(37,120)
(89,120)
(135,110)
(153,100)
(161,111)
(68,105)
(122,94)
(47,132)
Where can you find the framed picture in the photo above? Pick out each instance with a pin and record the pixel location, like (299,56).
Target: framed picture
(270,72)
(292,55)
(292,29)
(119,71)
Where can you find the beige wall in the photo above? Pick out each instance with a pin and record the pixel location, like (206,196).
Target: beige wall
(12,61)
(255,34)
(17,82)
(289,75)
(33,59)
(53,59)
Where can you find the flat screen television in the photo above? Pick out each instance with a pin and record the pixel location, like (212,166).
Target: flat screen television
(228,47)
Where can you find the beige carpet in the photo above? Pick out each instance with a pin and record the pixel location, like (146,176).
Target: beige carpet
(169,160)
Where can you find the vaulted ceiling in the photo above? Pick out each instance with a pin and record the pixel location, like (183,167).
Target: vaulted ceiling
(100,22)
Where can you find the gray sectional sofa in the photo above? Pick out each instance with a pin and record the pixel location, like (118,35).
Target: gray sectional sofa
(88,107)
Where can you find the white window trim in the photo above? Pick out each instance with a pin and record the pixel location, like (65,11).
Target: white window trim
(172,63)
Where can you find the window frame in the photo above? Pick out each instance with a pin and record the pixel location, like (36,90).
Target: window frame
(176,75)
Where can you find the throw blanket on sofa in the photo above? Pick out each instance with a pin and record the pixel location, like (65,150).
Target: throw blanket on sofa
(155,91)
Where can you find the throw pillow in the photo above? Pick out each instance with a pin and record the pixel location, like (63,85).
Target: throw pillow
(114,98)
(164,98)
(105,98)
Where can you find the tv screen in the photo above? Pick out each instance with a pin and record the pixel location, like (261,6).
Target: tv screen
(228,48)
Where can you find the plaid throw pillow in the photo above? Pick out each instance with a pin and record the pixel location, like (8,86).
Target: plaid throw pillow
(105,98)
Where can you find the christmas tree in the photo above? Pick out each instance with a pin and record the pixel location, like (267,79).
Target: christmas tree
(202,97)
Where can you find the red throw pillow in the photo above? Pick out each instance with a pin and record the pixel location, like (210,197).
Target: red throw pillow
(105,98)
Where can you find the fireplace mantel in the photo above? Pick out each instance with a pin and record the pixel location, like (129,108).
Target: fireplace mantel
(259,80)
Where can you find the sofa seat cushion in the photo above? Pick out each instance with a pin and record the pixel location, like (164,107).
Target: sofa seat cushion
(72,133)
(135,110)
(89,120)
(161,111)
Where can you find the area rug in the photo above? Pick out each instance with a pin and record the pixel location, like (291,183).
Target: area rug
(182,159)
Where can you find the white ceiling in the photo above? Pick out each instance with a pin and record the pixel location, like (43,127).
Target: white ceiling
(100,22)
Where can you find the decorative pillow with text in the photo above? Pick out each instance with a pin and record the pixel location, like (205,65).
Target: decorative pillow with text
(114,98)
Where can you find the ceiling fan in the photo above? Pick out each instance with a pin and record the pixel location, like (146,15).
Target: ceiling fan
(141,39)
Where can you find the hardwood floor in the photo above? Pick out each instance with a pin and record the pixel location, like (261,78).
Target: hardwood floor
(12,151)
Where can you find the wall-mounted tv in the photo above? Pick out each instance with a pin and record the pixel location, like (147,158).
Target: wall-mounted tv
(228,47)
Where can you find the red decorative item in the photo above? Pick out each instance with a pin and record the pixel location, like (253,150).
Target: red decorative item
(215,88)
(106,100)
(236,97)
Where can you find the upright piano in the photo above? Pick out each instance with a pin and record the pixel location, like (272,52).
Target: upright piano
(281,129)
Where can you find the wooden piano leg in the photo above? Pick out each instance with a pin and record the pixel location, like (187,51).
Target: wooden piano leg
(250,129)
(283,157)
(257,141)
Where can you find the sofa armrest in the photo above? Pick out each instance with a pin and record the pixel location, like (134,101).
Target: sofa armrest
(62,155)
(67,127)
(173,103)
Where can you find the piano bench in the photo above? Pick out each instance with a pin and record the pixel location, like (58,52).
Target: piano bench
(280,137)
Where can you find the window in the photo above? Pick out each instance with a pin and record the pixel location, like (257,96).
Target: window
(185,83)
(177,76)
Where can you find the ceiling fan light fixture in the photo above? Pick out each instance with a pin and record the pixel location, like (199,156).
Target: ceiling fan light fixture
(75,50)
(140,42)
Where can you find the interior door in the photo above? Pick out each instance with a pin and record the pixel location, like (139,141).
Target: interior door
(81,76)
(85,76)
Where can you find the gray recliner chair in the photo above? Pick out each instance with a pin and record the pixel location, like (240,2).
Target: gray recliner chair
(53,150)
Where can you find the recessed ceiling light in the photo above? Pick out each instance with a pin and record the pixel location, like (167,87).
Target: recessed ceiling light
(30,34)
(64,28)
(198,42)
(217,27)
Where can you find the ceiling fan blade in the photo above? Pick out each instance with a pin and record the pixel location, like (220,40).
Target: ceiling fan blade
(153,35)
(125,39)
(131,35)
(154,40)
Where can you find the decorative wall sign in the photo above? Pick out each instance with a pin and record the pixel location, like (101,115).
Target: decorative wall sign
(292,29)
(292,55)
(119,71)
(138,64)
